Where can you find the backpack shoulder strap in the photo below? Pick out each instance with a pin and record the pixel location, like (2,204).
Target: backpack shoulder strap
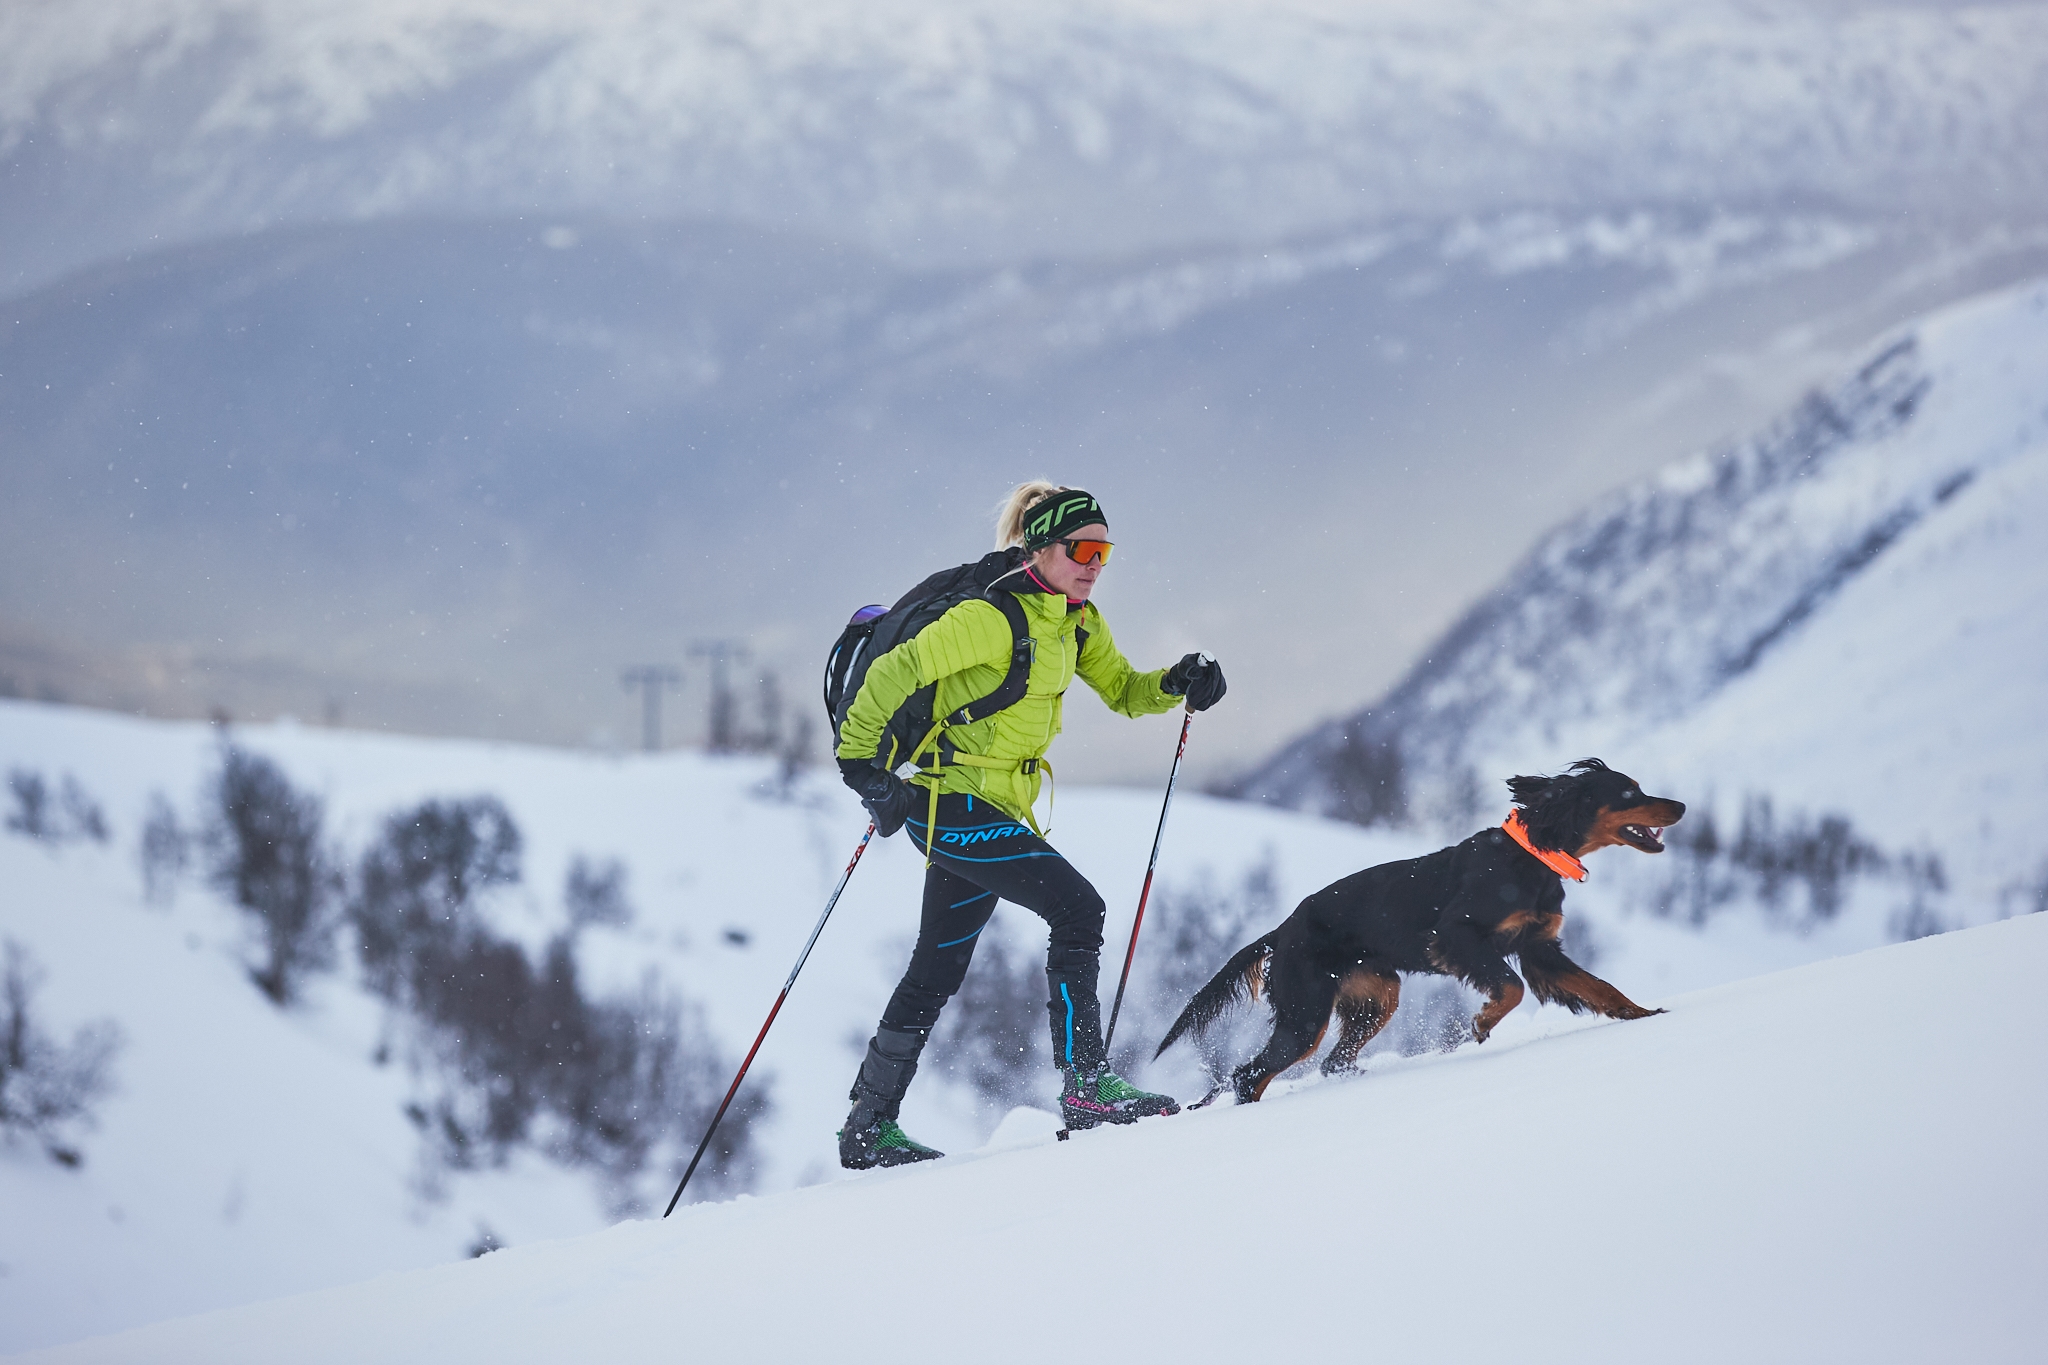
(1023,649)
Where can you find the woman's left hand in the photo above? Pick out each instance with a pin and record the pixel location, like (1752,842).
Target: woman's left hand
(1197,677)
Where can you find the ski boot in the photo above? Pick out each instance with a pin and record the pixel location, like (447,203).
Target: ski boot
(872,1136)
(1102,1096)
(880,1143)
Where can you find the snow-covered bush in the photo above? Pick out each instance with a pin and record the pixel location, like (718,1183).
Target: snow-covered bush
(267,852)
(47,1089)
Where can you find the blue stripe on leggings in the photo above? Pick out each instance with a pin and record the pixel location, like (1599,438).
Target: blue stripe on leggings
(1070,1022)
(970,900)
(959,940)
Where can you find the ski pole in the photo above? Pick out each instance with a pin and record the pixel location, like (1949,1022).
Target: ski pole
(734,1089)
(1159,834)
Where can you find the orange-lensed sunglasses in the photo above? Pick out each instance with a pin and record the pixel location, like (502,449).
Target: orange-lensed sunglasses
(1089,551)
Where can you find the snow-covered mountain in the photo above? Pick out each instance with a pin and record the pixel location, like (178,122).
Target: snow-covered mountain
(446,476)
(1847,613)
(426,362)
(249,1150)
(990,130)
(1781,1170)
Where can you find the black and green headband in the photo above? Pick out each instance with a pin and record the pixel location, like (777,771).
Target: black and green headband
(1053,516)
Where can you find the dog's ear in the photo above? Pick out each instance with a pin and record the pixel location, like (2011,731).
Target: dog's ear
(1528,792)
(1561,810)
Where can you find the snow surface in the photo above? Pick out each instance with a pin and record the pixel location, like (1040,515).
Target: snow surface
(1831,1163)
(251,1152)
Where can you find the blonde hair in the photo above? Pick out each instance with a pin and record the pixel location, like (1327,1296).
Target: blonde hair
(1010,512)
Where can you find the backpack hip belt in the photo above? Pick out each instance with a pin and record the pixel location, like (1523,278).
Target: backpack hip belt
(944,755)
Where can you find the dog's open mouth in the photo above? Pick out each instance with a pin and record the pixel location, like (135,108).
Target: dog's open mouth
(1648,838)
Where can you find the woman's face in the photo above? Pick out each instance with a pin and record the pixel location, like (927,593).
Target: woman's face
(1061,573)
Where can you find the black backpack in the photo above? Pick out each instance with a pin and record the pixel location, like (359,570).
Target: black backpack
(875,630)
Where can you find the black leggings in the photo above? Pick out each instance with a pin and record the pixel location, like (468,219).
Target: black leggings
(981,855)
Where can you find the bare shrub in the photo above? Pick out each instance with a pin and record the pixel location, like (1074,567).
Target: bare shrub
(1796,866)
(50,815)
(517,1053)
(47,1090)
(267,853)
(1368,780)
(993,1035)
(1190,930)
(2025,895)
(164,852)
(1926,879)
(1821,854)
(83,817)
(595,894)
(417,881)
(33,812)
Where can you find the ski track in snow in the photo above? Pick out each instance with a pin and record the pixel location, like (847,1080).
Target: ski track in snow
(1790,1168)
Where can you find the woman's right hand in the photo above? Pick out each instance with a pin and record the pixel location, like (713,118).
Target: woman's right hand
(889,798)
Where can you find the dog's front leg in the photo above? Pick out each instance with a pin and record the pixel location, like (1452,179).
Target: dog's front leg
(1558,980)
(1460,948)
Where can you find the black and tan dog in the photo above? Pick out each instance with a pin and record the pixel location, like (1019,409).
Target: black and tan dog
(1461,911)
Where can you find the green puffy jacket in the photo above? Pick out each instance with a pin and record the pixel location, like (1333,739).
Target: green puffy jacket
(967,653)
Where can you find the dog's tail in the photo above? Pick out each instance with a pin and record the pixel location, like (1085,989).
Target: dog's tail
(1242,977)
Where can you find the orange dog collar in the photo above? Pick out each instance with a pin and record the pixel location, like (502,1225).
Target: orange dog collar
(1563,864)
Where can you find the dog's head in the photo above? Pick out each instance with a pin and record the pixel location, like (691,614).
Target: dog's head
(1591,806)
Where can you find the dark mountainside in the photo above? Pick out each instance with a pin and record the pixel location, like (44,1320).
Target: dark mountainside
(449,476)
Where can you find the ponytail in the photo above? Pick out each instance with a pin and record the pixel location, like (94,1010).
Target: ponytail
(1022,498)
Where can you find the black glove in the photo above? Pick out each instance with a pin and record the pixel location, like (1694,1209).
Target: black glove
(888,797)
(1199,678)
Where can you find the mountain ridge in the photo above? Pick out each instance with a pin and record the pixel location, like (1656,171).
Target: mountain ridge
(989,131)
(1647,609)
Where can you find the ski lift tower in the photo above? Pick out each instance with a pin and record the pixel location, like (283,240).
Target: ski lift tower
(652,680)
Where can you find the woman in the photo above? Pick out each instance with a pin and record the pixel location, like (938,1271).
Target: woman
(983,842)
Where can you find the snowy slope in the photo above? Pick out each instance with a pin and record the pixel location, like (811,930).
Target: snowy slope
(990,127)
(1846,613)
(1775,1171)
(249,1152)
